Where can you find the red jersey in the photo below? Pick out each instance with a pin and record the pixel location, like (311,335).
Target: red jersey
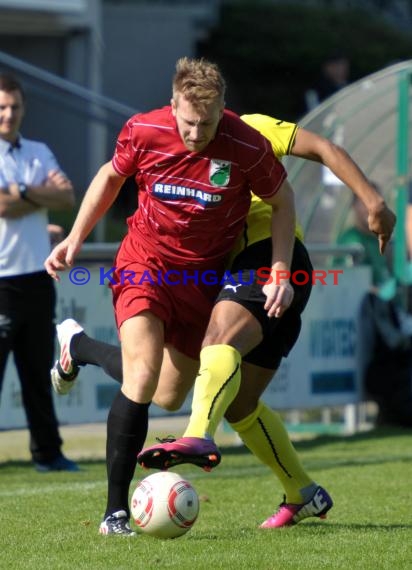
(193,205)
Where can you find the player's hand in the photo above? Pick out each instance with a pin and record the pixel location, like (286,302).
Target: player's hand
(382,222)
(279,296)
(61,257)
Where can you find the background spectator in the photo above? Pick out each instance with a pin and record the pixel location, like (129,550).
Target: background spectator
(359,233)
(334,74)
(385,347)
(31,182)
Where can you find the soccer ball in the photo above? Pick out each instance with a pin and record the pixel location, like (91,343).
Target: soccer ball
(164,505)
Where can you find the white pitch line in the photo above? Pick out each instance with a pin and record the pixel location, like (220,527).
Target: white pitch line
(53,488)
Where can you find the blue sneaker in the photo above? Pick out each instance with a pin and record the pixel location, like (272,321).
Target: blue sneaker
(61,463)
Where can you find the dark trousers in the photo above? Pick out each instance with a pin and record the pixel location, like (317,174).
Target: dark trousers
(27,306)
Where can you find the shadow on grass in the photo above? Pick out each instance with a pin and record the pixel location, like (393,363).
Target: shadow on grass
(26,464)
(302,529)
(377,433)
(320,440)
(315,442)
(347,459)
(333,527)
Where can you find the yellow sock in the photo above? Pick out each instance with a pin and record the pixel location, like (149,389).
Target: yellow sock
(265,435)
(216,386)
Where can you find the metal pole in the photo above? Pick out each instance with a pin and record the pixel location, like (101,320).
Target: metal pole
(402,167)
(97,130)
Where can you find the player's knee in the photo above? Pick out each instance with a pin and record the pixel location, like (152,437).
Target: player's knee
(169,402)
(243,335)
(240,408)
(215,335)
(173,405)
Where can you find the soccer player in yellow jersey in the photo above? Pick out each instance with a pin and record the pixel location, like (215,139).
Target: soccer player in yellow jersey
(240,321)
(242,337)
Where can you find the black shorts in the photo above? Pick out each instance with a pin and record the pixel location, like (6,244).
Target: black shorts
(279,335)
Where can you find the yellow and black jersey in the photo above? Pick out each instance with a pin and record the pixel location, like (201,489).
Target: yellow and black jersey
(281,135)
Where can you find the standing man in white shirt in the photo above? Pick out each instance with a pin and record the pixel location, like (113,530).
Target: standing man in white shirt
(31,182)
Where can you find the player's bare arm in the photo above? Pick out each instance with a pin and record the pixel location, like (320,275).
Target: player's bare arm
(100,195)
(278,290)
(381,219)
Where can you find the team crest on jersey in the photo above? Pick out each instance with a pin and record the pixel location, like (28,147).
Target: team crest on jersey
(219,173)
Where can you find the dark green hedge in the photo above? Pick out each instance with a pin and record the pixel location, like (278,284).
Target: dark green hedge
(271,54)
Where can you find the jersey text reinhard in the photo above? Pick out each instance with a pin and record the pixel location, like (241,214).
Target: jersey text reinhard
(175,192)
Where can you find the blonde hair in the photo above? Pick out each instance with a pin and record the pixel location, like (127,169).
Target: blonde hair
(199,81)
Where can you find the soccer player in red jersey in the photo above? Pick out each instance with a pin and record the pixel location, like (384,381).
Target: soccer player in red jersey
(195,164)
(259,427)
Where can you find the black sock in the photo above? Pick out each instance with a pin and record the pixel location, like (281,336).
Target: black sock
(85,350)
(127,425)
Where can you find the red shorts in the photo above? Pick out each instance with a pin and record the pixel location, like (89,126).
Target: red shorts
(181,296)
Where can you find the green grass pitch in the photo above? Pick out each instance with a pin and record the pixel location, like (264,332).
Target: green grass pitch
(51,520)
